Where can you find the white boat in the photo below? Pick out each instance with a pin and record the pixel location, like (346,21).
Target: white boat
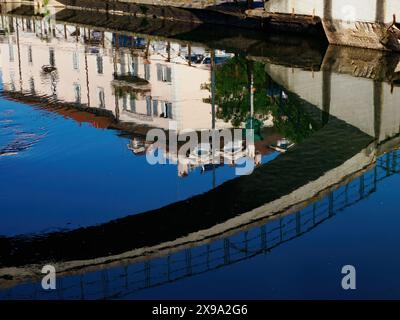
(282,145)
(233,151)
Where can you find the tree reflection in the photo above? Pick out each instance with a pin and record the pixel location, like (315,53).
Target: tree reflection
(233,93)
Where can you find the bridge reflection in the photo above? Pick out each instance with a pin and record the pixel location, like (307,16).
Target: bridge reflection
(127,278)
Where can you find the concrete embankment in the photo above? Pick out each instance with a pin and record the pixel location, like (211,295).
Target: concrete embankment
(370,25)
(232,39)
(195,12)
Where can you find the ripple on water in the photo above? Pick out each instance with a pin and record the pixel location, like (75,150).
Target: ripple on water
(22,128)
(16,136)
(22,141)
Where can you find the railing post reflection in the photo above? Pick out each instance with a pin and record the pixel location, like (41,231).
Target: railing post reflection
(147,274)
(169,268)
(246,243)
(330,206)
(298,222)
(126,274)
(394,162)
(60,289)
(188,255)
(82,287)
(387,165)
(362,187)
(208,256)
(263,238)
(104,279)
(314,213)
(227,257)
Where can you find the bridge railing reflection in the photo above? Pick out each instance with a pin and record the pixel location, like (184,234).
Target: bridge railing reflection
(127,279)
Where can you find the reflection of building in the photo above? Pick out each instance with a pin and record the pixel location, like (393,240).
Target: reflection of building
(143,82)
(359,88)
(138,81)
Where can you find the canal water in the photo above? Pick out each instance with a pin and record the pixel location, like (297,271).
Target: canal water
(77,191)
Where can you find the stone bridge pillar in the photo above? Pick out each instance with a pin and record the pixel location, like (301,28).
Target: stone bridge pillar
(361,23)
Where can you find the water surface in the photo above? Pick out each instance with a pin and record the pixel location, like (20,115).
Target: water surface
(76,104)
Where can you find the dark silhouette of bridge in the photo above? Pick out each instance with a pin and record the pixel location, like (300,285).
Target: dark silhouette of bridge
(117,282)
